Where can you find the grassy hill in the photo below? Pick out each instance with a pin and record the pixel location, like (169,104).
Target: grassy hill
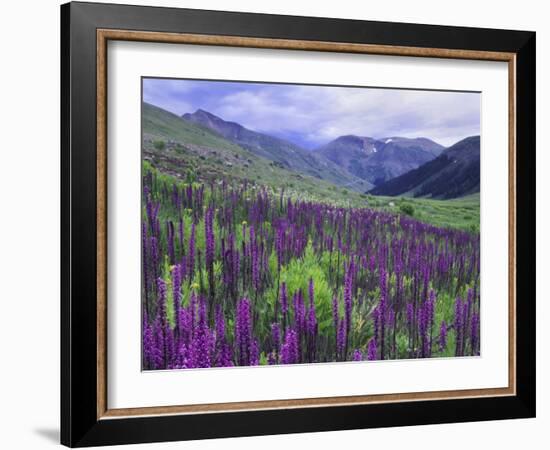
(280,151)
(189,151)
(460,213)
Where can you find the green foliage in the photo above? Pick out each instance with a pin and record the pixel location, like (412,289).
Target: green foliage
(190,176)
(159,145)
(402,343)
(461,213)
(180,149)
(296,275)
(407,208)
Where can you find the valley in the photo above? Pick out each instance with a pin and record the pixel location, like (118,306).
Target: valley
(205,148)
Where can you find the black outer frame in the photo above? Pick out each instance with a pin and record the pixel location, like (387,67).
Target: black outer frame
(79,424)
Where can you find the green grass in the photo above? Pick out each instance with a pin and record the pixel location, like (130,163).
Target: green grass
(164,125)
(461,213)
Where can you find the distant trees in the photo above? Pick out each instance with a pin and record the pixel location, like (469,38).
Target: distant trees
(159,145)
(407,208)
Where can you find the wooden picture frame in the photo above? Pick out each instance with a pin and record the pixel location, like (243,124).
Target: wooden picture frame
(86,418)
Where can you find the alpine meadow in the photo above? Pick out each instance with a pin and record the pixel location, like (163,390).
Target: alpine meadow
(299,224)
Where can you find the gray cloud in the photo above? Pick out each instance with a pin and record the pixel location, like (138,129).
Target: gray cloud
(314,115)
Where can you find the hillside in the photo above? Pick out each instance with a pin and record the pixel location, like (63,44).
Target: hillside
(286,154)
(188,151)
(455,173)
(195,153)
(379,160)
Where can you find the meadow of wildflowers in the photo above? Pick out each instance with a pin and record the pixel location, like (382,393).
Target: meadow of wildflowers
(238,274)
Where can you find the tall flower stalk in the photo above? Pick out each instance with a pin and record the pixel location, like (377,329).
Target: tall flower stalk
(235,273)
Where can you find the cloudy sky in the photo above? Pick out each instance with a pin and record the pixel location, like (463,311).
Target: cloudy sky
(311,116)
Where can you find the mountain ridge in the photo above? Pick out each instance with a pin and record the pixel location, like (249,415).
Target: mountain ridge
(283,152)
(454,173)
(190,152)
(360,163)
(379,160)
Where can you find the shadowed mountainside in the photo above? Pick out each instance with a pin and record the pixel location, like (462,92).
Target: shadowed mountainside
(379,160)
(455,173)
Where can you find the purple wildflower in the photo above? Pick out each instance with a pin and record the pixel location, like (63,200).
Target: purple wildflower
(289,350)
(209,236)
(372,350)
(458,325)
(311,323)
(161,300)
(474,334)
(423,317)
(276,336)
(170,242)
(176,294)
(254,352)
(382,309)
(335,311)
(243,332)
(254,259)
(341,338)
(181,233)
(220,324)
(148,345)
(410,314)
(145,259)
(348,281)
(442,336)
(376,321)
(284,299)
(191,253)
(202,340)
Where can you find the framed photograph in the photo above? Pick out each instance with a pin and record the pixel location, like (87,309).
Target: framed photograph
(276,224)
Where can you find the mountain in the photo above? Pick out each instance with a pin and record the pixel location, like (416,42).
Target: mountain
(419,143)
(379,160)
(191,152)
(280,151)
(454,173)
